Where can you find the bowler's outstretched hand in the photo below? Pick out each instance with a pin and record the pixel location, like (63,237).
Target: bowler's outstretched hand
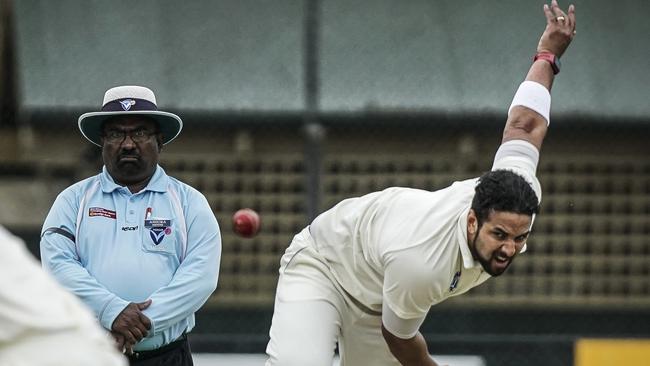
(560,29)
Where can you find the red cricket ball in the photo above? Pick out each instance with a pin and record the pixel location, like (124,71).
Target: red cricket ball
(246,223)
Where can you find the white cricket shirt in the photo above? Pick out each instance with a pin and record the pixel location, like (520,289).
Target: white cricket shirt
(407,247)
(403,246)
(37,314)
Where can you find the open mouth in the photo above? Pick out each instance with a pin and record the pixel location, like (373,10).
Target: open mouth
(502,261)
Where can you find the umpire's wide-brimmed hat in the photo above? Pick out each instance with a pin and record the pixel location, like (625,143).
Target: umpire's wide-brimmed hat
(129,100)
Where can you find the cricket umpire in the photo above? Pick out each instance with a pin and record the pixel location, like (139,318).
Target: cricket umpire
(138,247)
(365,273)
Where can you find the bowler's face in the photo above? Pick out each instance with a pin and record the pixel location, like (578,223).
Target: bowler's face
(498,240)
(132,158)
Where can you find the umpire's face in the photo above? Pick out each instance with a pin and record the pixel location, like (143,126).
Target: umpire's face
(130,149)
(498,240)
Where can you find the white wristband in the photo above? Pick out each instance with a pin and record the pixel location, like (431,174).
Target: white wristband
(534,96)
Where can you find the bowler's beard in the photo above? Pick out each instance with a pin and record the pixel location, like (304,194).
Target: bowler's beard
(486,262)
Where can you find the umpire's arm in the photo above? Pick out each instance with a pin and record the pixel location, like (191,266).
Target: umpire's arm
(59,257)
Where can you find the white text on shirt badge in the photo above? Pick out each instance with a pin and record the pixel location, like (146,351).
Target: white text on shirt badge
(158,228)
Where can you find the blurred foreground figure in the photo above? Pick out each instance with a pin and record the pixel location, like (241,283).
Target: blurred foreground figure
(364,274)
(40,322)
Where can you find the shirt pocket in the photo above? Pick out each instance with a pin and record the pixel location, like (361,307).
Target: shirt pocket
(159,236)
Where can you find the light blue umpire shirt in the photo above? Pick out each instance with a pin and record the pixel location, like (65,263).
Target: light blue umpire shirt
(111,247)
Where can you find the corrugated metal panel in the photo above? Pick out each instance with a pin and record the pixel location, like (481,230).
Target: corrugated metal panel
(199,55)
(469,56)
(440,56)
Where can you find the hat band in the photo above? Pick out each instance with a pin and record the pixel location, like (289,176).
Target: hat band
(128,105)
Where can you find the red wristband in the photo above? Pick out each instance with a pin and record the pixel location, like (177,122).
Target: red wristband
(550,58)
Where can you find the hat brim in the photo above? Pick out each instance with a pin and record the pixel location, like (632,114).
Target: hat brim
(90,124)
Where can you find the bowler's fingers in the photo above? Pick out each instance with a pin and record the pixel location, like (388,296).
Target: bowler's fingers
(556,16)
(556,9)
(572,18)
(560,16)
(550,17)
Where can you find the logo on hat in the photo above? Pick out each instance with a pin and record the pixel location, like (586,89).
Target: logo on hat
(127,103)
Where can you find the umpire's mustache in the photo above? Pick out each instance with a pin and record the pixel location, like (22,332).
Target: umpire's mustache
(128,154)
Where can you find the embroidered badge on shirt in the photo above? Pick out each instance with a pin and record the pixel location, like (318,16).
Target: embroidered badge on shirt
(158,228)
(454,281)
(98,211)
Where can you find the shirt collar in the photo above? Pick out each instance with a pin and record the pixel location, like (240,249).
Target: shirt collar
(466,253)
(158,182)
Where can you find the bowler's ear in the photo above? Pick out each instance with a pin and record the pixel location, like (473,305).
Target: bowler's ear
(472,222)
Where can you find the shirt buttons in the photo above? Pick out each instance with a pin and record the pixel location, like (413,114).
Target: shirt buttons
(130,213)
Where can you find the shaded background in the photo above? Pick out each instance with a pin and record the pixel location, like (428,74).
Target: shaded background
(291,106)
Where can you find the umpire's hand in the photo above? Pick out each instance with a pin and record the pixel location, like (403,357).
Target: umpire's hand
(132,324)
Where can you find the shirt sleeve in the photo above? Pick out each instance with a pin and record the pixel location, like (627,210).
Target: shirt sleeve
(59,257)
(400,328)
(196,277)
(520,157)
(409,288)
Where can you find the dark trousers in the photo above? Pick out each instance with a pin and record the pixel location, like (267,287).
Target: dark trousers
(176,353)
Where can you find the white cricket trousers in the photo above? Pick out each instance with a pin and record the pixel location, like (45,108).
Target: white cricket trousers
(313,313)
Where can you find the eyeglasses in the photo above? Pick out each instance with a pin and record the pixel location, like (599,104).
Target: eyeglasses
(118,136)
